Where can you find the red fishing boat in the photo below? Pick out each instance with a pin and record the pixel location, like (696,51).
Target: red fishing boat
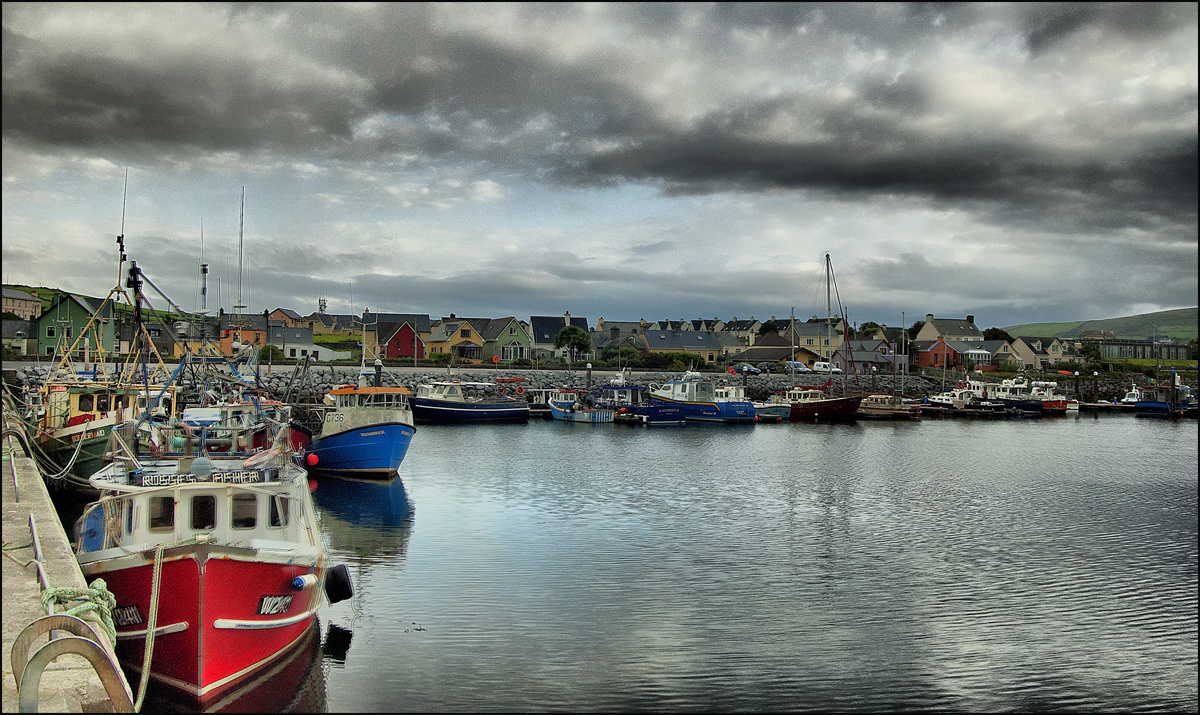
(216,561)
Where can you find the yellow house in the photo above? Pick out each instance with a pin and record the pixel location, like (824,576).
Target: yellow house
(456,337)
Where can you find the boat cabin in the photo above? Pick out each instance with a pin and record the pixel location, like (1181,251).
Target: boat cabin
(192,500)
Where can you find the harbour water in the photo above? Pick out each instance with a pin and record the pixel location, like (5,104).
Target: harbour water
(957,565)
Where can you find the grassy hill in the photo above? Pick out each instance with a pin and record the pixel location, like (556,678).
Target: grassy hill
(1178,324)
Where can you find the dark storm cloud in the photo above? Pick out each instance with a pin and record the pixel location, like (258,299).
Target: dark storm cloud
(1049,23)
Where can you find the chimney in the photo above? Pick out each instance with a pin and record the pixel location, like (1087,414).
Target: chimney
(929,317)
(971,319)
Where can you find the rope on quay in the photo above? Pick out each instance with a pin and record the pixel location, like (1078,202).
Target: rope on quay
(96,598)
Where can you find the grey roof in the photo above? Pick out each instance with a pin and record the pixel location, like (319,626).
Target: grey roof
(1031,342)
(16,294)
(955,326)
(740,325)
(12,326)
(490,328)
(419,321)
(683,341)
(545,327)
(293,315)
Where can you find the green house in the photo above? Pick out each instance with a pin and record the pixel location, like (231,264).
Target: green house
(62,324)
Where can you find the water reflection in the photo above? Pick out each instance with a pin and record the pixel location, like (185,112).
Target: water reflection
(294,683)
(365,517)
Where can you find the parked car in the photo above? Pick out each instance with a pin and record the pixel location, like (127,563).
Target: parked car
(745,367)
(796,366)
(768,367)
(826,367)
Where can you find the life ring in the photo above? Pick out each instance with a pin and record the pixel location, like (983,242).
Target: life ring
(258,460)
(519,390)
(732,371)
(500,390)
(960,385)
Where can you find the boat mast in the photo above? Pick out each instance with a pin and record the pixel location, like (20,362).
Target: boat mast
(237,309)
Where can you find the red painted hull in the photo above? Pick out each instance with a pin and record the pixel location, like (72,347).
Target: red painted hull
(834,409)
(219,594)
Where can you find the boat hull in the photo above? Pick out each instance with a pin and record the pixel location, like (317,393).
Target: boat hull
(371,451)
(833,409)
(728,412)
(432,411)
(574,413)
(224,613)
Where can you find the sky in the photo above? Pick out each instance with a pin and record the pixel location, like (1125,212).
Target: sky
(1016,162)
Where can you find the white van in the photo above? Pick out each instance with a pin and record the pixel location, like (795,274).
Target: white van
(826,367)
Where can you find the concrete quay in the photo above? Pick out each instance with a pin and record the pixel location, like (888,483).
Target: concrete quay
(70,683)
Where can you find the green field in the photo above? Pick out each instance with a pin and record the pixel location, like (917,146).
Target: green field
(1181,325)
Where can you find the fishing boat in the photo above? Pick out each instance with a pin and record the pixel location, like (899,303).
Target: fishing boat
(814,404)
(453,401)
(887,407)
(1129,401)
(631,404)
(569,406)
(1171,400)
(365,433)
(763,411)
(697,398)
(1015,394)
(89,390)
(216,562)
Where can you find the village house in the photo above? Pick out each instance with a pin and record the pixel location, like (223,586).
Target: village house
(963,329)
(544,328)
(22,304)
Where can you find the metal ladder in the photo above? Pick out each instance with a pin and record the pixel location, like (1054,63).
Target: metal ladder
(27,669)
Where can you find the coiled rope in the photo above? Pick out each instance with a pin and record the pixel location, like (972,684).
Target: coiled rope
(96,598)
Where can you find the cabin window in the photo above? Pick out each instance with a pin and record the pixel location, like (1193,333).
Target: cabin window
(128,516)
(279,511)
(87,403)
(103,403)
(162,513)
(245,511)
(204,512)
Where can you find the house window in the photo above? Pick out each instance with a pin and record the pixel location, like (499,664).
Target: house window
(153,332)
(67,331)
(50,331)
(316,354)
(465,332)
(293,352)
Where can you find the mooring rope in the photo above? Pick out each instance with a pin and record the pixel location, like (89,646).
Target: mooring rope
(151,625)
(96,598)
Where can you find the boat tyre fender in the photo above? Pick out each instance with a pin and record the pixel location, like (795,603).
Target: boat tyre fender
(519,390)
(500,390)
(338,586)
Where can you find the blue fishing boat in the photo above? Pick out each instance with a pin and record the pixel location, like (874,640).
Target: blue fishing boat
(465,402)
(698,399)
(632,404)
(365,434)
(568,406)
(1172,400)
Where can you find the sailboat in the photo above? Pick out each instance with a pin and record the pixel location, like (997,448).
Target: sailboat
(811,404)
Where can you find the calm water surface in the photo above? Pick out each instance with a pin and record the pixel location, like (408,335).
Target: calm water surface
(979,566)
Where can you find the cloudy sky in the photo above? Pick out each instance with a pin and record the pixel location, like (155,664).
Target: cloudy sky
(1019,163)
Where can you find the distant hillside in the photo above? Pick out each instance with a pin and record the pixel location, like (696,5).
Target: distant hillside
(1178,324)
